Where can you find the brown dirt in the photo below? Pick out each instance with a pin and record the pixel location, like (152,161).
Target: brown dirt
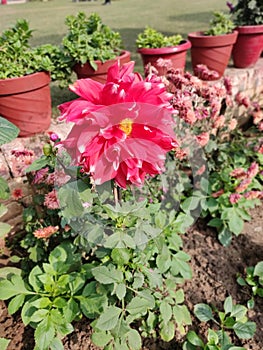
(215,271)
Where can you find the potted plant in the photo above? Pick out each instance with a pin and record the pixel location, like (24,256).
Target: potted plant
(213,47)
(248,17)
(25,74)
(92,47)
(153,45)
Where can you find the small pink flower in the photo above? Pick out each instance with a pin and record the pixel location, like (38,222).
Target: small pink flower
(253,170)
(243,185)
(234,198)
(260,126)
(180,153)
(51,200)
(232,125)
(242,99)
(238,173)
(219,122)
(40,176)
(203,138)
(17,193)
(45,232)
(201,170)
(253,194)
(218,193)
(260,150)
(228,85)
(257,116)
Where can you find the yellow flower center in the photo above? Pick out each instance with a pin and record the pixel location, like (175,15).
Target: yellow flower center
(126,126)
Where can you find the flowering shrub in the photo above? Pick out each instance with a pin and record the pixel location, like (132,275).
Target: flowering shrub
(103,234)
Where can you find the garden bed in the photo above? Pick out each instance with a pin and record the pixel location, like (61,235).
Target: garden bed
(215,270)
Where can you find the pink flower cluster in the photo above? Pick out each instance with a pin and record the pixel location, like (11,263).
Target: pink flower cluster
(45,232)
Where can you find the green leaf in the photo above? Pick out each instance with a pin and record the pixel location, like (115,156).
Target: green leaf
(71,310)
(101,339)
(16,303)
(225,236)
(193,338)
(109,318)
(216,222)
(259,269)
(44,334)
(38,164)
(4,229)
(228,305)
(190,203)
(105,275)
(203,312)
(39,315)
(8,131)
(4,193)
(167,331)
(92,306)
(121,291)
(56,344)
(239,312)
(16,286)
(245,330)
(182,315)
(166,311)
(139,305)
(134,339)
(4,343)
(236,223)
(70,202)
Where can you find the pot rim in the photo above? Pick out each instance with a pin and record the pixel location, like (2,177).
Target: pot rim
(250,29)
(183,46)
(198,39)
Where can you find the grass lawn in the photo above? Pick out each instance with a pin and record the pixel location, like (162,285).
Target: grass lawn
(129,17)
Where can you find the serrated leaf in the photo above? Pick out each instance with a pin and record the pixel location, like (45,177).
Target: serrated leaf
(56,344)
(245,330)
(105,275)
(8,289)
(134,340)
(140,305)
(44,334)
(39,315)
(71,310)
(109,318)
(203,312)
(16,303)
(239,312)
(38,164)
(101,339)
(8,131)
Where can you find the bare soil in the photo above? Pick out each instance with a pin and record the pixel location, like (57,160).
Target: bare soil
(215,270)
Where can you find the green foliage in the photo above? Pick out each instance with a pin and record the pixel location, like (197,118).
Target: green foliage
(220,24)
(4,343)
(232,319)
(88,40)
(248,12)
(17,58)
(151,38)
(253,280)
(225,216)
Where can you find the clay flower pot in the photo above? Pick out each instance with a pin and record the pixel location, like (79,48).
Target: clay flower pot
(175,54)
(100,75)
(214,51)
(26,102)
(248,46)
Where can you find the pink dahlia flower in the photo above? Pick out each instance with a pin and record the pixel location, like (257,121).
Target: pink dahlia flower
(123,129)
(123,142)
(122,86)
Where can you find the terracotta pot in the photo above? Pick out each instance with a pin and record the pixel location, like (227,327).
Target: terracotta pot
(86,71)
(248,46)
(26,102)
(212,51)
(175,54)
